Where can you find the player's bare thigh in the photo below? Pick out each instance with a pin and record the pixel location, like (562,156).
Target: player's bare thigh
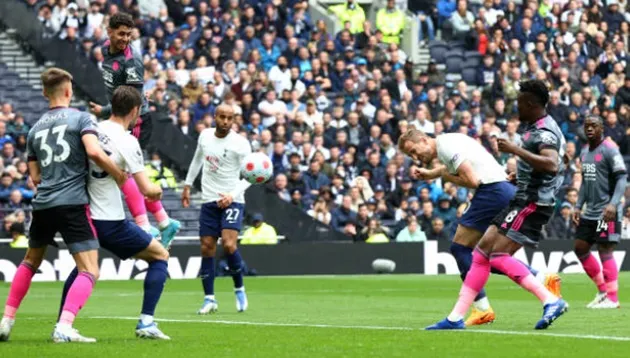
(154,252)
(467,236)
(581,247)
(606,247)
(493,241)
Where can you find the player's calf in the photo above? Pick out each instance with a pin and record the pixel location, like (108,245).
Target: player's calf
(235,264)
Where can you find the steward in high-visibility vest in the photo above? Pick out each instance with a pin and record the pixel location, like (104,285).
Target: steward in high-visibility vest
(391,22)
(352,12)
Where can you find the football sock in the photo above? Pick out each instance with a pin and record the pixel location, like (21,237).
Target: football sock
(160,215)
(66,287)
(519,273)
(235,264)
(135,203)
(207,275)
(19,288)
(473,284)
(610,276)
(153,286)
(463,256)
(593,270)
(77,297)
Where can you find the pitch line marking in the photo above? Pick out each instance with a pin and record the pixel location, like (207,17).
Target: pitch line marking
(378,328)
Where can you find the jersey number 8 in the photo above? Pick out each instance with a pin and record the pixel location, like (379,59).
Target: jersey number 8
(60,132)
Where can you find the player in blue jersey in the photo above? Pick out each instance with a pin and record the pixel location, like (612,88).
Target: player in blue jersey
(115,233)
(604,182)
(58,148)
(539,176)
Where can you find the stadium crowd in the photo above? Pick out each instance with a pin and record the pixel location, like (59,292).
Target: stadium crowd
(328,108)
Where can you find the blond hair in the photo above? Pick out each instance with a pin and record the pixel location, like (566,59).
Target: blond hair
(411,135)
(53,78)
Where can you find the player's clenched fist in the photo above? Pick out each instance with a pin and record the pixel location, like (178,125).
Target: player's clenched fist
(506,146)
(96,109)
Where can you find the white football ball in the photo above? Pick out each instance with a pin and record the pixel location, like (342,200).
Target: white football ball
(256,168)
(383,266)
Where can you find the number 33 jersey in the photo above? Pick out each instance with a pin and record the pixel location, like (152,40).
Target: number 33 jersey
(123,148)
(55,143)
(600,167)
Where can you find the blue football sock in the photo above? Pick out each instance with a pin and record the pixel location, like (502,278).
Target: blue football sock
(207,275)
(235,263)
(154,283)
(463,256)
(66,287)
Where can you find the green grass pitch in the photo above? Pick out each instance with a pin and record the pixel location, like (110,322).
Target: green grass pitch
(348,316)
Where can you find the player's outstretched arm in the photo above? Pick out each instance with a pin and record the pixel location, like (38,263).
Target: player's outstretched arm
(96,154)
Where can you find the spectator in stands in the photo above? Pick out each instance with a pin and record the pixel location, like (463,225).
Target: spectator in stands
(260,233)
(17,233)
(4,136)
(160,174)
(562,226)
(462,20)
(625,230)
(6,187)
(342,216)
(350,12)
(374,232)
(314,179)
(437,231)
(280,186)
(412,232)
(6,113)
(17,127)
(320,211)
(390,21)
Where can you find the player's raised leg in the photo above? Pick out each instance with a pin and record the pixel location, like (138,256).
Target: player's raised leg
(137,207)
(168,227)
(19,288)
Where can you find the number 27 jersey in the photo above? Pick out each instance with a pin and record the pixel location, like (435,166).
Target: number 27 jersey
(55,143)
(105,197)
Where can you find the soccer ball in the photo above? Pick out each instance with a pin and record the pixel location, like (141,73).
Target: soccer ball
(256,168)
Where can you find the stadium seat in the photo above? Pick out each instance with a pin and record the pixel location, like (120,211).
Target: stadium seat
(469,75)
(457,45)
(453,64)
(437,51)
(470,63)
(454,53)
(473,54)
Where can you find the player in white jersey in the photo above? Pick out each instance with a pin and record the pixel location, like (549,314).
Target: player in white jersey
(466,163)
(115,233)
(220,152)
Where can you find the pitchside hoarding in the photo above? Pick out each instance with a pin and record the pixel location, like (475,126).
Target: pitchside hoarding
(430,258)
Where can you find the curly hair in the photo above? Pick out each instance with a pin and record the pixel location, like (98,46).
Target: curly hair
(538,89)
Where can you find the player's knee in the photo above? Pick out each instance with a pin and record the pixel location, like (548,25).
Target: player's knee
(208,247)
(581,248)
(161,255)
(230,246)
(606,248)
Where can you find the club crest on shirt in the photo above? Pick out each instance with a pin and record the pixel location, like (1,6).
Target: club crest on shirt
(132,75)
